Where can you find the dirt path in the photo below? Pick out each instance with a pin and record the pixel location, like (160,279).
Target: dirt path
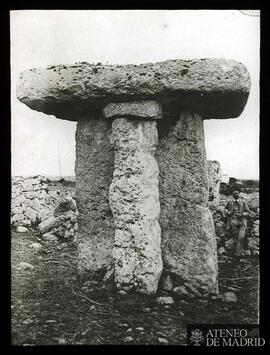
(52,305)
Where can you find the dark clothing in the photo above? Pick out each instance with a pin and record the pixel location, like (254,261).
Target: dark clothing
(241,207)
(237,222)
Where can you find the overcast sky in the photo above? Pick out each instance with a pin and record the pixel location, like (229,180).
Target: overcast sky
(42,37)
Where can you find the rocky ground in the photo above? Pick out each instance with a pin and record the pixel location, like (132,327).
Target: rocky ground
(52,305)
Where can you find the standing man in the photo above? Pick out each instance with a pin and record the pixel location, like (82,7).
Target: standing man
(237,210)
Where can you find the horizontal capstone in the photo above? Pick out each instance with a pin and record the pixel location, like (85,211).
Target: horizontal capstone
(214,88)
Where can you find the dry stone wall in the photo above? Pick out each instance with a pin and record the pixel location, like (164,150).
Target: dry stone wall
(31,202)
(36,205)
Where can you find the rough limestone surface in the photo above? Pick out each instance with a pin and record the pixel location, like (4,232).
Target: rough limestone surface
(143,109)
(216,88)
(214,177)
(94,170)
(188,234)
(64,226)
(31,202)
(134,200)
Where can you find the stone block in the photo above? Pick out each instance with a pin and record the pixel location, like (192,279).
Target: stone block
(94,171)
(150,110)
(134,200)
(187,228)
(216,88)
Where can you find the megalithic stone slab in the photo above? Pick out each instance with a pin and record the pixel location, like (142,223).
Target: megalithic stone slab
(134,200)
(188,234)
(94,171)
(216,88)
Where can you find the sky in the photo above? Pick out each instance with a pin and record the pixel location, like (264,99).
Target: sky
(42,144)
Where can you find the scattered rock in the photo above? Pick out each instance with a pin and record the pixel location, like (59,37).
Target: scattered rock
(122,293)
(123,325)
(193,290)
(221,251)
(21,229)
(140,329)
(109,274)
(164,300)
(229,297)
(163,341)
(28,321)
(65,204)
(25,266)
(49,224)
(181,291)
(88,283)
(49,237)
(85,332)
(36,245)
(146,310)
(214,297)
(62,246)
(128,339)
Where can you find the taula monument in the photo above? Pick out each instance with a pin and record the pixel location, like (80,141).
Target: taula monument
(141,168)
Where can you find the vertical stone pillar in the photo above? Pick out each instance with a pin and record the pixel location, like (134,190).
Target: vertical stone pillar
(188,234)
(94,170)
(134,197)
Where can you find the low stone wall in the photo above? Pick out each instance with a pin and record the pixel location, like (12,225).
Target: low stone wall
(38,203)
(31,201)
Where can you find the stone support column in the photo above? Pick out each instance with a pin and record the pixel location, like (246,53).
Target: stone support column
(94,169)
(188,234)
(134,196)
